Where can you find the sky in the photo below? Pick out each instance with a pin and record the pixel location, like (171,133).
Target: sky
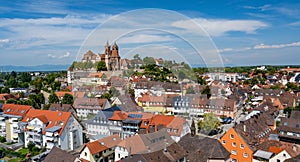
(231,33)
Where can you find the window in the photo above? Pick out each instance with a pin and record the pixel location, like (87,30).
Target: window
(233,144)
(223,141)
(278,160)
(234,160)
(231,136)
(242,146)
(85,154)
(233,152)
(245,154)
(297,125)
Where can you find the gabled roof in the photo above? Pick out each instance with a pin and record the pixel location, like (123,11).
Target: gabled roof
(60,94)
(55,118)
(118,116)
(95,147)
(13,109)
(200,149)
(59,155)
(161,120)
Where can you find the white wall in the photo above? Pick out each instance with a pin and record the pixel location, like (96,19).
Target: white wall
(120,152)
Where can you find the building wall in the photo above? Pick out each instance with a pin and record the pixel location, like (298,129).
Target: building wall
(11,129)
(120,152)
(282,156)
(239,156)
(86,154)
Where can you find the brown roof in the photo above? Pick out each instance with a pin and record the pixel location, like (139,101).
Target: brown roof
(6,96)
(89,103)
(60,107)
(200,149)
(255,129)
(59,155)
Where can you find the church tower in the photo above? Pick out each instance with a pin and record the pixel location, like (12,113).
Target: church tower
(107,55)
(115,58)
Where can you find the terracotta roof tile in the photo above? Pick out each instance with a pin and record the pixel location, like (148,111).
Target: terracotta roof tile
(13,109)
(55,118)
(95,147)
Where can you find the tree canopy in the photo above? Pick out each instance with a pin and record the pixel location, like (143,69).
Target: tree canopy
(101,66)
(67,99)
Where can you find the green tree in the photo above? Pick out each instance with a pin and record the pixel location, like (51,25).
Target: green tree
(25,77)
(206,91)
(107,96)
(101,66)
(149,60)
(5,90)
(13,74)
(53,98)
(114,92)
(137,56)
(210,122)
(190,90)
(67,99)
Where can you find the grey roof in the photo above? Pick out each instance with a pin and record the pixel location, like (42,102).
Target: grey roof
(53,129)
(131,121)
(263,154)
(101,116)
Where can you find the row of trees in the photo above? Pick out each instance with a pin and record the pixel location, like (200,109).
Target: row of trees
(99,66)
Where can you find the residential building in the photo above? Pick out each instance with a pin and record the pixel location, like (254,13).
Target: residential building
(158,104)
(143,143)
(47,128)
(242,140)
(225,77)
(58,155)
(63,107)
(289,129)
(200,149)
(11,116)
(135,122)
(102,149)
(86,106)
(172,153)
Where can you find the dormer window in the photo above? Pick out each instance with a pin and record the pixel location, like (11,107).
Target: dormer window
(169,130)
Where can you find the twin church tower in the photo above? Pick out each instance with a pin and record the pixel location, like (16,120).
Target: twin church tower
(111,57)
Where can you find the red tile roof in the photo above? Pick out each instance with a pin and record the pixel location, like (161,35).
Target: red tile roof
(161,120)
(13,109)
(95,147)
(60,94)
(54,118)
(118,116)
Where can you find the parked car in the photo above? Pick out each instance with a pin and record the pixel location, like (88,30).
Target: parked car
(227,120)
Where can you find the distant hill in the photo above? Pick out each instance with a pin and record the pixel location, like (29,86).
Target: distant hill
(9,68)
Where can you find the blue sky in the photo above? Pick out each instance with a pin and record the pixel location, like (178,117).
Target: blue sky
(34,32)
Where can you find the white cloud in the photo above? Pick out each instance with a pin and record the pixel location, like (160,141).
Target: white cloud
(4,40)
(59,56)
(263,46)
(144,38)
(260,46)
(218,27)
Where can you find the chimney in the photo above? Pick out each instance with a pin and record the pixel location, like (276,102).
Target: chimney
(244,127)
(272,99)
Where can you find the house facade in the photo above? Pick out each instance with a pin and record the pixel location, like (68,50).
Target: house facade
(10,118)
(47,128)
(86,106)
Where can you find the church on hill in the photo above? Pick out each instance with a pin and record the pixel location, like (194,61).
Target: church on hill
(111,57)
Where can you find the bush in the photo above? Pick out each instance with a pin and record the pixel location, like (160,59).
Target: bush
(2,139)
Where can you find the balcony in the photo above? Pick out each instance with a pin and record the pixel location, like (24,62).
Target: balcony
(130,127)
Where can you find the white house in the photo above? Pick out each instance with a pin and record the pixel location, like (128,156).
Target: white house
(86,106)
(47,128)
(10,118)
(102,149)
